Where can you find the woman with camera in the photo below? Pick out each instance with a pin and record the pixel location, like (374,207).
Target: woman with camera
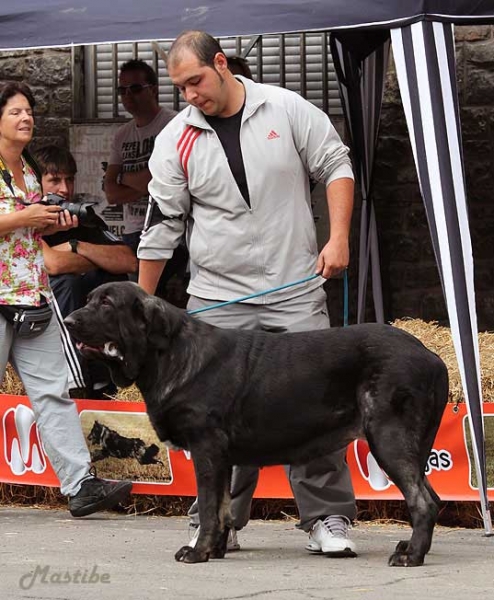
(29,337)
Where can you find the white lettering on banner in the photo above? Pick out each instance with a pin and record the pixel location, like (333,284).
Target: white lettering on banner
(23,449)
(439,460)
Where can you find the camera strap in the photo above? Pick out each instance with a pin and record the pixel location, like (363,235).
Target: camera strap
(28,158)
(7,177)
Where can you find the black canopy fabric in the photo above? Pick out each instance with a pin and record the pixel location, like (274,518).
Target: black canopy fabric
(423,47)
(361,63)
(35,23)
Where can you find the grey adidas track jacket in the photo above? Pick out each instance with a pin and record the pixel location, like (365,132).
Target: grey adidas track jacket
(236,250)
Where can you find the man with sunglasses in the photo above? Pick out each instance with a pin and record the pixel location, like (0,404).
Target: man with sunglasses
(127,175)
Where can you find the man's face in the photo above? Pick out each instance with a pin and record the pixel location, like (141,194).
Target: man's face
(141,97)
(200,85)
(59,183)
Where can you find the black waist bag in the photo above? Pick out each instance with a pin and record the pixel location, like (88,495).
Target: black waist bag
(27,321)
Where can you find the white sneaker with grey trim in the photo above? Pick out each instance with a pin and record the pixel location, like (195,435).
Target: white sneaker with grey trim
(330,537)
(232,544)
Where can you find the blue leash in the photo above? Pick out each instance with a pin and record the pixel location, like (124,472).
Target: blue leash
(250,296)
(276,289)
(345,298)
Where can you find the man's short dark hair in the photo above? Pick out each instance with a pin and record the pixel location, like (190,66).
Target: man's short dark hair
(9,89)
(200,43)
(52,159)
(137,64)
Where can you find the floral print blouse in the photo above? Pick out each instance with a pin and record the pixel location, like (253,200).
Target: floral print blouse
(23,277)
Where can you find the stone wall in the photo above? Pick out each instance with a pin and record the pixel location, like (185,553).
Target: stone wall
(410,277)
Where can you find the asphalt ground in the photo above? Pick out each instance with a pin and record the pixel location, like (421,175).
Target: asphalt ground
(48,554)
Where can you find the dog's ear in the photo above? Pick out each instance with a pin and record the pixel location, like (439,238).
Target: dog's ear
(130,335)
(163,321)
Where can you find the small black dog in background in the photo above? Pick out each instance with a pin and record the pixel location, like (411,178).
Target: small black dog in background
(118,446)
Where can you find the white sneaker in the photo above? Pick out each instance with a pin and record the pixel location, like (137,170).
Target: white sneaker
(330,537)
(232,544)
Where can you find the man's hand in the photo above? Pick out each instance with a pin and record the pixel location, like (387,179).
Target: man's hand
(335,255)
(334,258)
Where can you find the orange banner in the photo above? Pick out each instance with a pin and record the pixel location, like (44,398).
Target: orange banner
(110,425)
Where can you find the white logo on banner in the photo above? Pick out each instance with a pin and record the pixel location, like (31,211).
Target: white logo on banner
(439,460)
(23,449)
(368,467)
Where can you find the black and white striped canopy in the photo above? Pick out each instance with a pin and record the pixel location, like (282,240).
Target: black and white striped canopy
(423,47)
(424,55)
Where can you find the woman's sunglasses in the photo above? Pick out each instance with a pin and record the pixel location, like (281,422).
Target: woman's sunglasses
(134,88)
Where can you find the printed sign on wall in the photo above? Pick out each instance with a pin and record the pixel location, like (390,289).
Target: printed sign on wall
(91,144)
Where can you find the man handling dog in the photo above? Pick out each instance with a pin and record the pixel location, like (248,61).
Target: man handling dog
(234,168)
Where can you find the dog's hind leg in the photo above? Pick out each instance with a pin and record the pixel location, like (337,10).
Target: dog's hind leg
(402,452)
(403,547)
(403,465)
(212,476)
(401,423)
(423,513)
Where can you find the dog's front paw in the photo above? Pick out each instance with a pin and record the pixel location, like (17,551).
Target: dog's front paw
(187,554)
(402,546)
(404,559)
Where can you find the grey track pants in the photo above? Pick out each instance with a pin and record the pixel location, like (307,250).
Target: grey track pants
(41,365)
(321,487)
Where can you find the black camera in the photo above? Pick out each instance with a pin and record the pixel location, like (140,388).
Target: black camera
(84,211)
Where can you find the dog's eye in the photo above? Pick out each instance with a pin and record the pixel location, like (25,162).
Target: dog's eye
(105,301)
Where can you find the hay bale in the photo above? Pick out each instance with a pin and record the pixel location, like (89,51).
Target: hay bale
(13,385)
(438,339)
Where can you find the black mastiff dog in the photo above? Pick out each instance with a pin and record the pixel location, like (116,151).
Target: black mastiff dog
(235,397)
